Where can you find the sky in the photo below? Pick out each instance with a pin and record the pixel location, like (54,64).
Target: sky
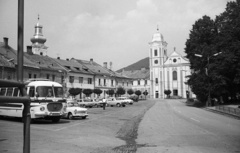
(117,31)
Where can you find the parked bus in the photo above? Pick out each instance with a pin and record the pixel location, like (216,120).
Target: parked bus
(47,100)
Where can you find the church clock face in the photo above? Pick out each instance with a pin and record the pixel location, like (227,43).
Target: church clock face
(174,60)
(156,61)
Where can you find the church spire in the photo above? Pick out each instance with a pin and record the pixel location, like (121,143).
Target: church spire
(38,40)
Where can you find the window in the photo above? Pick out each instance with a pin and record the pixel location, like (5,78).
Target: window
(99,82)
(71,79)
(145,82)
(138,82)
(35,76)
(31,92)
(112,82)
(127,83)
(122,83)
(174,75)
(89,80)
(48,76)
(175,92)
(53,77)
(104,82)
(156,80)
(62,79)
(155,53)
(29,75)
(80,79)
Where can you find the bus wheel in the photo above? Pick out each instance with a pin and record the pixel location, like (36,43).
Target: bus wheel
(56,119)
(70,116)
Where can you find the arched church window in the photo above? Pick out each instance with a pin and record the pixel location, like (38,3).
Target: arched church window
(155,52)
(174,75)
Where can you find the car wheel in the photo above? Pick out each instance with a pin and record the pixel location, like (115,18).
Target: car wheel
(70,116)
(123,105)
(56,119)
(118,105)
(84,117)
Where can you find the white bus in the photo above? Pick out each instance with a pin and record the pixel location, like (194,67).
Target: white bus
(47,100)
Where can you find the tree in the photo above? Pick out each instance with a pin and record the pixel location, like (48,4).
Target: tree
(130,91)
(110,92)
(138,93)
(167,92)
(97,91)
(87,92)
(145,93)
(120,91)
(74,91)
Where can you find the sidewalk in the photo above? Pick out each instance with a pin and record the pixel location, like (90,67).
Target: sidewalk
(230,110)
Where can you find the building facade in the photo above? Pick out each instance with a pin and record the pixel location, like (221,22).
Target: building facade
(167,72)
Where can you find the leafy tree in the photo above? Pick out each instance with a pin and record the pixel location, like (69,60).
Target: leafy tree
(138,93)
(145,93)
(120,91)
(130,91)
(87,92)
(110,92)
(167,92)
(74,91)
(97,91)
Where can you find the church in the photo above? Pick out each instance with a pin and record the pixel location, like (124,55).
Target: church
(167,72)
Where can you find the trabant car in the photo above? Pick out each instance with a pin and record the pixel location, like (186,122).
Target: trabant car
(73,110)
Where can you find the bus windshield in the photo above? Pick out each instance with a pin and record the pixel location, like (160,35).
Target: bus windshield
(47,91)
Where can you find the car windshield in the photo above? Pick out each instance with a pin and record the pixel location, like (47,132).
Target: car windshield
(47,91)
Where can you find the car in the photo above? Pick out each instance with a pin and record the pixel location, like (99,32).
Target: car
(73,110)
(127,100)
(112,101)
(99,102)
(86,103)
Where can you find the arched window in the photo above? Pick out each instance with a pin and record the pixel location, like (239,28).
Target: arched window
(174,75)
(155,52)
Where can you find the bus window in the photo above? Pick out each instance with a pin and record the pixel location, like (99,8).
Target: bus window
(15,92)
(3,91)
(9,92)
(58,91)
(31,92)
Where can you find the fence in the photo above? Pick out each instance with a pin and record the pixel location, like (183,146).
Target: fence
(229,110)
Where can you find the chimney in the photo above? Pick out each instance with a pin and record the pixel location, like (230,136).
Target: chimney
(105,65)
(29,50)
(41,53)
(110,65)
(5,39)
(58,57)
(67,59)
(91,61)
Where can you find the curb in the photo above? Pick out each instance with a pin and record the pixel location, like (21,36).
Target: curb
(222,113)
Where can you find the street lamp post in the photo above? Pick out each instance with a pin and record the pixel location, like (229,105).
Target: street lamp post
(207,69)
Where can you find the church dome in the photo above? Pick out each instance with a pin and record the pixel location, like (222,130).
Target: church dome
(38,36)
(157,36)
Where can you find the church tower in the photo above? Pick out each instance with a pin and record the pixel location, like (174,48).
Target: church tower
(157,57)
(38,41)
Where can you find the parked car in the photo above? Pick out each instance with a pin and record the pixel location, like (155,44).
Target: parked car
(73,110)
(86,103)
(99,102)
(112,101)
(127,100)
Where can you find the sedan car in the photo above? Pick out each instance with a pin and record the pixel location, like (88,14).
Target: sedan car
(73,110)
(86,103)
(127,100)
(112,101)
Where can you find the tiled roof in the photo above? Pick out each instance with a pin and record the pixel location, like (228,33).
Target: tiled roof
(72,66)
(10,53)
(94,67)
(43,62)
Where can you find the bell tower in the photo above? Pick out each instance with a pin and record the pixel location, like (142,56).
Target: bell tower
(38,40)
(157,57)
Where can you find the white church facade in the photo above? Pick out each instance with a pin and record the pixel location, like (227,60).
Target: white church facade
(167,72)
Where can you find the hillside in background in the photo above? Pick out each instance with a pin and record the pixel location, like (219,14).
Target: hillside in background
(144,63)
